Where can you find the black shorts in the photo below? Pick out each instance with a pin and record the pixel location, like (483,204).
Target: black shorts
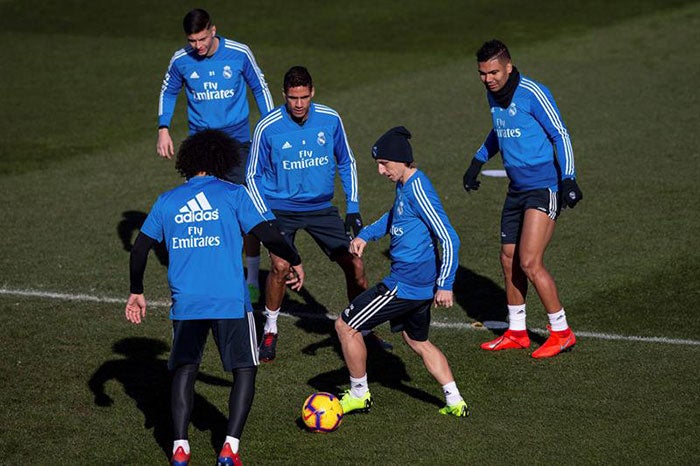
(237,173)
(379,304)
(325,226)
(517,203)
(235,338)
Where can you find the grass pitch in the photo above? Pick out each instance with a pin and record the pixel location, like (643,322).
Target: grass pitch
(78,170)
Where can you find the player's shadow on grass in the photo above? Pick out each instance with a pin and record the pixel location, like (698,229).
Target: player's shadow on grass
(131,222)
(484,301)
(146,379)
(383,367)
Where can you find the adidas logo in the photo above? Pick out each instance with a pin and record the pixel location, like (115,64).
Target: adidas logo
(286,145)
(194,75)
(197,209)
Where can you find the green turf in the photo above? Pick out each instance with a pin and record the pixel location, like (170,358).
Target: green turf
(78,170)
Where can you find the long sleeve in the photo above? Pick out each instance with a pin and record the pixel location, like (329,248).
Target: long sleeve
(258,162)
(431,211)
(489,148)
(256,82)
(545,111)
(376,230)
(172,83)
(346,168)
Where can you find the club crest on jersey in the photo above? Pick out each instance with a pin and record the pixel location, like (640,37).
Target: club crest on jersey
(512,109)
(321,140)
(227,72)
(399,208)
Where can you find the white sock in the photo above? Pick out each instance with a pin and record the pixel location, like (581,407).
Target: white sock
(558,320)
(233,441)
(516,317)
(253,265)
(182,443)
(358,387)
(452,396)
(271,322)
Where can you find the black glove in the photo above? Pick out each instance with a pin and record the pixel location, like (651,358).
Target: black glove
(469,181)
(353,224)
(570,193)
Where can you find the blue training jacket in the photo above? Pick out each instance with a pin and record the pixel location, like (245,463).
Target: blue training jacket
(527,134)
(416,223)
(292,167)
(202,223)
(216,89)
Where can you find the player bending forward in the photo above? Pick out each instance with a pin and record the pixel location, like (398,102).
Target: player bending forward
(416,222)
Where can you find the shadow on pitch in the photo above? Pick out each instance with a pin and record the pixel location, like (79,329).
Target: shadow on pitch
(484,301)
(146,379)
(131,223)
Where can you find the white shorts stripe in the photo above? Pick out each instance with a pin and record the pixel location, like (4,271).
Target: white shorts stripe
(372,308)
(252,334)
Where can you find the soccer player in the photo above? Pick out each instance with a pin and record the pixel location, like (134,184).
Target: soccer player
(202,223)
(214,72)
(297,150)
(536,149)
(417,280)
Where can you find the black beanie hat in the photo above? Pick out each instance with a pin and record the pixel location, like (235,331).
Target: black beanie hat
(394,146)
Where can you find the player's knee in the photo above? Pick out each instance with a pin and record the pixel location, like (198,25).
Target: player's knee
(279,269)
(531,265)
(344,330)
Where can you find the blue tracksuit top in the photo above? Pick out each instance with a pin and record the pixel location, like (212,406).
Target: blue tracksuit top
(527,134)
(416,223)
(216,89)
(202,223)
(292,167)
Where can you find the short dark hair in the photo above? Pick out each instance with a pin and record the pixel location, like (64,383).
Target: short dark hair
(297,76)
(211,151)
(492,49)
(195,21)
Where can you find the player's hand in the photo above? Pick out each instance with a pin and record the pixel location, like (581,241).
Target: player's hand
(295,277)
(570,193)
(443,298)
(469,180)
(353,224)
(357,246)
(135,308)
(164,146)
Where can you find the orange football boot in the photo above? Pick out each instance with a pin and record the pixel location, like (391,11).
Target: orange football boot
(556,343)
(512,339)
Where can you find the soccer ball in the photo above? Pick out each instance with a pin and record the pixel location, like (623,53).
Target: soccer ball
(322,412)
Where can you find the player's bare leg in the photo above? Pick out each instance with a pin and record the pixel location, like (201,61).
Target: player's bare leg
(537,231)
(516,336)
(357,397)
(513,275)
(435,361)
(274,294)
(354,270)
(354,349)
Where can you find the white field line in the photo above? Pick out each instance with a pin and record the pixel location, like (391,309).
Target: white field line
(447,325)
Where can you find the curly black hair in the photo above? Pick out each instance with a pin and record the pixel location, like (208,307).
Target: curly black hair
(211,151)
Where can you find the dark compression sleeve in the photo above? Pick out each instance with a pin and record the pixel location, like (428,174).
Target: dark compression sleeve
(275,242)
(137,261)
